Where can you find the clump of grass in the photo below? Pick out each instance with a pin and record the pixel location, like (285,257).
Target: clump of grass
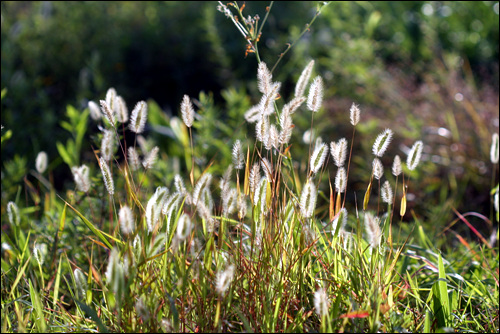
(267,250)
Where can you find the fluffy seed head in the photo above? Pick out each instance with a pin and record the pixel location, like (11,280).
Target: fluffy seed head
(378,169)
(300,88)
(120,109)
(266,103)
(321,302)
(238,159)
(110,98)
(339,222)
(387,193)
(267,167)
(339,151)
(187,111)
(262,130)
(95,113)
(286,127)
(107,145)
(293,105)
(242,207)
(126,218)
(223,280)
(308,199)
(229,202)
(81,282)
(414,155)
(139,117)
(355,112)
(382,142)
(372,227)
(252,115)
(273,139)
(13,214)
(318,157)
(155,207)
(150,158)
(315,97)
(133,159)
(41,162)
(202,183)
(179,184)
(108,112)
(39,251)
(81,177)
(183,227)
(396,166)
(494,148)
(341,180)
(254,178)
(107,177)
(264,78)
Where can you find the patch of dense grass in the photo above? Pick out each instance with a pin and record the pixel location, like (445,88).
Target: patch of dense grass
(205,223)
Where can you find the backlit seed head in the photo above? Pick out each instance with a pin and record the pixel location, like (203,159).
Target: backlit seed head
(229,202)
(133,159)
(494,148)
(224,279)
(41,162)
(415,155)
(387,193)
(108,112)
(81,283)
(95,112)
(372,227)
(267,167)
(81,177)
(396,166)
(354,114)
(183,227)
(264,78)
(339,222)
(318,157)
(382,142)
(341,180)
(308,199)
(203,182)
(155,206)
(300,88)
(139,117)
(238,159)
(321,302)
(254,178)
(187,111)
(108,145)
(315,97)
(378,169)
(126,218)
(120,109)
(107,177)
(150,158)
(339,152)
(39,252)
(252,115)
(13,214)
(110,98)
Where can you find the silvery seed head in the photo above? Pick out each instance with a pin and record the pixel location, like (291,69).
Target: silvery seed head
(414,155)
(315,97)
(41,162)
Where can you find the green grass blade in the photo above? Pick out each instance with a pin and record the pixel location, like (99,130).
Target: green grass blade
(91,226)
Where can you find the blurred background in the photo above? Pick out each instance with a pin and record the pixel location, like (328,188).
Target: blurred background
(426,69)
